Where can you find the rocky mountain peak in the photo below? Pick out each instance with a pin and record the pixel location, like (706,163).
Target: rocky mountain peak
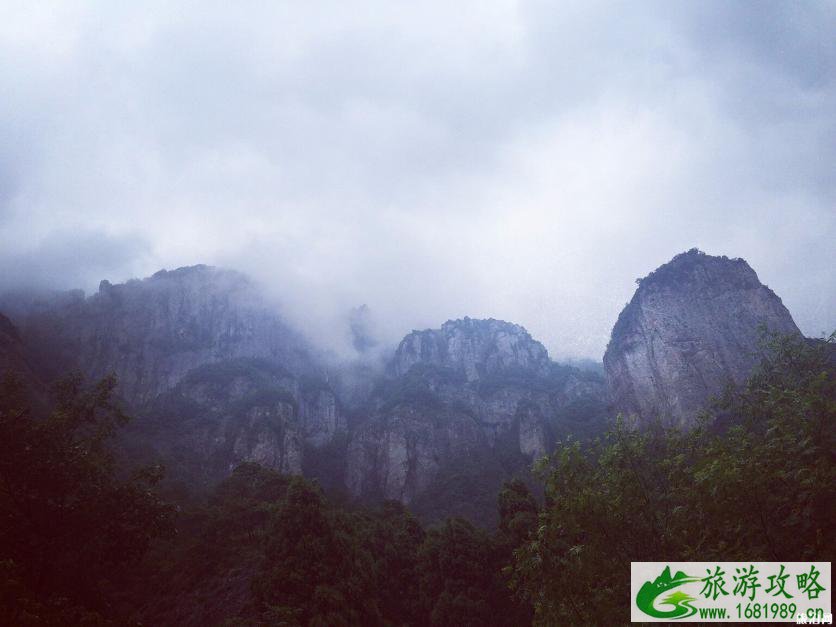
(152,331)
(198,269)
(474,347)
(464,407)
(216,377)
(696,267)
(692,326)
(197,278)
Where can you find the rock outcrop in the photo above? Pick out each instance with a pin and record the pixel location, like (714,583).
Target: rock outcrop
(242,410)
(463,408)
(154,331)
(215,377)
(212,374)
(476,348)
(692,327)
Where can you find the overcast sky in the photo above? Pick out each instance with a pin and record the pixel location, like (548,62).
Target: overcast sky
(518,160)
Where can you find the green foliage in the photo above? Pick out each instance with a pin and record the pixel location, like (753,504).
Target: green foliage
(269,549)
(313,565)
(203,575)
(418,387)
(262,379)
(517,513)
(213,403)
(755,480)
(491,382)
(466,486)
(69,520)
(460,577)
(393,537)
(20,605)
(220,374)
(241,506)
(770,480)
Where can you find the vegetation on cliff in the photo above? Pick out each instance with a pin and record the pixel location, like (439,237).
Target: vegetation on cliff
(84,543)
(756,480)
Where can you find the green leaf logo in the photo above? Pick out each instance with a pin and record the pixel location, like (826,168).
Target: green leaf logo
(678,600)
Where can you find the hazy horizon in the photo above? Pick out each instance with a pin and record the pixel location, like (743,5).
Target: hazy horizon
(514,160)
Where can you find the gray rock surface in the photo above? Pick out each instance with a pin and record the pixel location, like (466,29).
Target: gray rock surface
(465,407)
(152,332)
(214,377)
(692,327)
(211,372)
(242,410)
(474,347)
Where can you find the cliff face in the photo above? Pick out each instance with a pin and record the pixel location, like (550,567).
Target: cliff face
(691,328)
(211,373)
(463,408)
(475,348)
(152,332)
(241,410)
(214,377)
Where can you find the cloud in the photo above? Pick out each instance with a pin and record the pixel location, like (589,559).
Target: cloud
(71,258)
(522,160)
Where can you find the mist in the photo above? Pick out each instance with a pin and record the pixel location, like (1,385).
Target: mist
(516,160)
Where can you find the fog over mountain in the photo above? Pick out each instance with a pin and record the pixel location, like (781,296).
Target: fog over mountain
(515,160)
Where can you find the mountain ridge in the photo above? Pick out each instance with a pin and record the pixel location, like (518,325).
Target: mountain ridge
(216,377)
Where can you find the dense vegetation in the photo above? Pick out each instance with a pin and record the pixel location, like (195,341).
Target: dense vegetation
(756,480)
(271,550)
(83,542)
(70,525)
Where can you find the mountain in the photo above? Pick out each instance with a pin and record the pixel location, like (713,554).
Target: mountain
(234,402)
(152,332)
(463,408)
(474,348)
(691,328)
(214,377)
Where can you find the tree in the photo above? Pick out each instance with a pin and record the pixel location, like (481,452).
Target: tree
(517,512)
(315,569)
(393,537)
(754,480)
(460,577)
(69,520)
